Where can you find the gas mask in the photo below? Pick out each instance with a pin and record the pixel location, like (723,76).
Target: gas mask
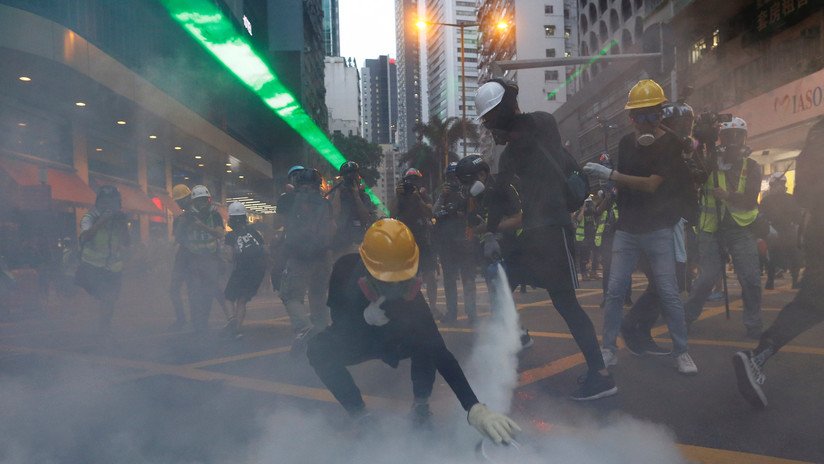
(477,188)
(392,291)
(645,140)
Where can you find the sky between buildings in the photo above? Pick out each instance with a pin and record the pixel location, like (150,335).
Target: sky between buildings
(367,29)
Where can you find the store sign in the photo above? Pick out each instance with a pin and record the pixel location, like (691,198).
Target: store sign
(789,104)
(771,16)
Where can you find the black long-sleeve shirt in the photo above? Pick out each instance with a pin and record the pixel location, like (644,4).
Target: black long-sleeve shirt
(411,330)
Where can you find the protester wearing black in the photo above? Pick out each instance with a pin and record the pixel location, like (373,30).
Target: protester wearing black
(807,308)
(784,215)
(249,267)
(352,210)
(455,248)
(545,257)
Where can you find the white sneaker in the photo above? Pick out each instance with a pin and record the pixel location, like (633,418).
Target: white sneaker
(685,364)
(610,359)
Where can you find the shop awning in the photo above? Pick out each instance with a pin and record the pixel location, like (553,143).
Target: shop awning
(133,199)
(65,185)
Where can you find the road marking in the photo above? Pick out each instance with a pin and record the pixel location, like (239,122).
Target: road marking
(720,456)
(238,357)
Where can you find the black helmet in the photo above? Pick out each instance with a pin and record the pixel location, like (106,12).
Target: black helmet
(468,168)
(451,167)
(349,167)
(107,192)
(309,176)
(678,116)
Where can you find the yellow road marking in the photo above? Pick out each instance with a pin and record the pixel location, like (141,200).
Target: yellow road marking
(239,357)
(718,456)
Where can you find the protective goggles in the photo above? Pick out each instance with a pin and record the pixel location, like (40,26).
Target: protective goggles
(646,118)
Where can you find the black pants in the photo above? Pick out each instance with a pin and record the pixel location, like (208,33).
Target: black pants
(783,254)
(802,313)
(332,350)
(457,260)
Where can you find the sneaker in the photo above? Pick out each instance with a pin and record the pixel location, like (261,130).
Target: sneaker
(650,347)
(750,378)
(685,364)
(635,344)
(610,358)
(300,342)
(526,340)
(595,386)
(421,416)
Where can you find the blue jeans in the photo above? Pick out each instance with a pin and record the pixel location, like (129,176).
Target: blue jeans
(658,247)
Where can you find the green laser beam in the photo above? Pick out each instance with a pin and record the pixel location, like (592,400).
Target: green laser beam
(210,27)
(579,70)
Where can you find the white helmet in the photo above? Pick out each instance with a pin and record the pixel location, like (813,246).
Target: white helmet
(487,97)
(237,209)
(735,123)
(200,191)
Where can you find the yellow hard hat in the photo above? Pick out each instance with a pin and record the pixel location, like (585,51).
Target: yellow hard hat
(389,251)
(180,191)
(644,94)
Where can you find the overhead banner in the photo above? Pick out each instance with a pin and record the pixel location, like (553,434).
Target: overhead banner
(789,104)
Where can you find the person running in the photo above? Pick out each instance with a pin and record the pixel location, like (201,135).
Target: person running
(378,312)
(649,166)
(249,266)
(180,194)
(104,234)
(534,155)
(807,308)
(200,232)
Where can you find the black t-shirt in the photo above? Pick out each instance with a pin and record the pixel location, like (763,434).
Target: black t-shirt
(247,246)
(450,214)
(411,330)
(498,203)
(285,202)
(524,164)
(641,212)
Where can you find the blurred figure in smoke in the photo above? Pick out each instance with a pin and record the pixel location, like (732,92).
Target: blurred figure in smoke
(729,208)
(284,205)
(807,309)
(180,194)
(784,215)
(648,181)
(200,232)
(413,207)
(306,248)
(104,233)
(546,259)
(378,312)
(495,217)
(352,210)
(456,249)
(249,266)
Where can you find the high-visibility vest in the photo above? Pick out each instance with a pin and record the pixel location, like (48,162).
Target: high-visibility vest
(709,209)
(103,250)
(199,241)
(579,232)
(602,222)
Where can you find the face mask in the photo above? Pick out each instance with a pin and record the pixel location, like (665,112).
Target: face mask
(646,140)
(477,188)
(392,290)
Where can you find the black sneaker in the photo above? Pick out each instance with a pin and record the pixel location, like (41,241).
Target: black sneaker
(750,378)
(595,386)
(650,347)
(526,340)
(421,416)
(633,342)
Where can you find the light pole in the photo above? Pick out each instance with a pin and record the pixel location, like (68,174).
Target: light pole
(461,26)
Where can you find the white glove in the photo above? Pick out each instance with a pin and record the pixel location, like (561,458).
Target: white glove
(598,170)
(374,314)
(496,427)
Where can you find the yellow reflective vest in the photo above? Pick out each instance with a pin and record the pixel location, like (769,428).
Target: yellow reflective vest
(104,249)
(710,210)
(602,223)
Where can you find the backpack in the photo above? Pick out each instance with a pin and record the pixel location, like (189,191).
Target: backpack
(576,184)
(308,226)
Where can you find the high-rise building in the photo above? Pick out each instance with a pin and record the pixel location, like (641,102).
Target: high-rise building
(409,71)
(342,95)
(379,97)
(331,28)
(385,188)
(543,29)
(443,50)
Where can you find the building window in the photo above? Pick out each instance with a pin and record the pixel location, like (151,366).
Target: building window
(551,96)
(697,50)
(549,30)
(548,9)
(566,13)
(716,39)
(550,53)
(567,33)
(550,75)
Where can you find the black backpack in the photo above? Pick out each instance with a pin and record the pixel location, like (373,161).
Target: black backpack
(308,226)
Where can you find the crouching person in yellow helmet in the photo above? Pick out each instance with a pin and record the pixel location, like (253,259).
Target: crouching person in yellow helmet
(378,312)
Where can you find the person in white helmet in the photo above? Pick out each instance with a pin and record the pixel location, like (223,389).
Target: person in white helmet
(200,231)
(729,208)
(249,267)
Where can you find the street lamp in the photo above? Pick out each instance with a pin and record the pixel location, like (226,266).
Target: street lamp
(422,24)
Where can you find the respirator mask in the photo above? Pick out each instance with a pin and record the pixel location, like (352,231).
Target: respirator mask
(477,188)
(648,120)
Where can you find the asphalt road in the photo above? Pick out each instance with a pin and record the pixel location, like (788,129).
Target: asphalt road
(149,395)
